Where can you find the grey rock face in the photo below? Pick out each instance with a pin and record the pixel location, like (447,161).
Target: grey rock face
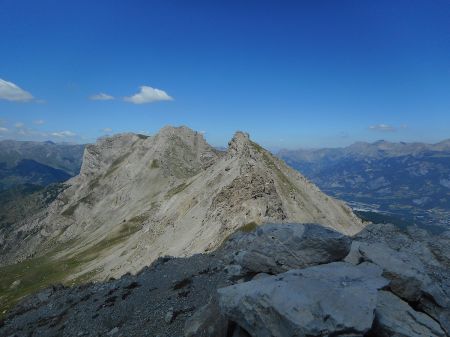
(278,248)
(406,272)
(415,262)
(410,280)
(168,194)
(394,317)
(316,301)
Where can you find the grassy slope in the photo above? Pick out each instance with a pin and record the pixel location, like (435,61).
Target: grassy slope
(40,272)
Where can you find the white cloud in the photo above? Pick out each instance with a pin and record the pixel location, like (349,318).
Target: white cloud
(107,130)
(63,134)
(11,92)
(148,95)
(101,97)
(3,129)
(38,122)
(19,125)
(382,128)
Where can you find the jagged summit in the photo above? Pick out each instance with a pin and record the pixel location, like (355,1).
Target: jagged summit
(239,144)
(138,198)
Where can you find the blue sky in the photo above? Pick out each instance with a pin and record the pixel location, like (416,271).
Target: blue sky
(292,74)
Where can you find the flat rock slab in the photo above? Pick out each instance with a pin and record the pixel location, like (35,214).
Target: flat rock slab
(331,299)
(278,248)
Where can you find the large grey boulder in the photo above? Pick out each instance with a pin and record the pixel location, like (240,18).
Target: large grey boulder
(431,249)
(331,299)
(394,317)
(278,248)
(410,279)
(406,272)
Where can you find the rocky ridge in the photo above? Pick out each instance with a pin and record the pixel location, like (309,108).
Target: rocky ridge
(138,198)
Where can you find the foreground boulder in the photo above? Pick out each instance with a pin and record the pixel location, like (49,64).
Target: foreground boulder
(275,249)
(331,299)
(406,272)
(395,317)
(411,280)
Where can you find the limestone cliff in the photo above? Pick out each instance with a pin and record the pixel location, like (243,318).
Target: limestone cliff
(138,198)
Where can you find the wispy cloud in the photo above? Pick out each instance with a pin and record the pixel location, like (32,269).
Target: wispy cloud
(11,92)
(101,97)
(383,128)
(62,134)
(21,131)
(106,130)
(148,95)
(38,122)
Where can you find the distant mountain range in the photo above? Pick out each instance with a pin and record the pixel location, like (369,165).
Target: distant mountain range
(37,163)
(411,180)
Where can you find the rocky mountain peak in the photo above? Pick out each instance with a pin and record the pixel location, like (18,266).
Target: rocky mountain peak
(180,131)
(240,144)
(139,198)
(183,148)
(180,136)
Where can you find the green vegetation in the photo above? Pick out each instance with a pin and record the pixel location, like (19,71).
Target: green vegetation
(33,274)
(25,200)
(247,228)
(250,227)
(40,272)
(128,228)
(52,191)
(154,164)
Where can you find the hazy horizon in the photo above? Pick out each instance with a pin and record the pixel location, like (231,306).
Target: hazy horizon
(224,146)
